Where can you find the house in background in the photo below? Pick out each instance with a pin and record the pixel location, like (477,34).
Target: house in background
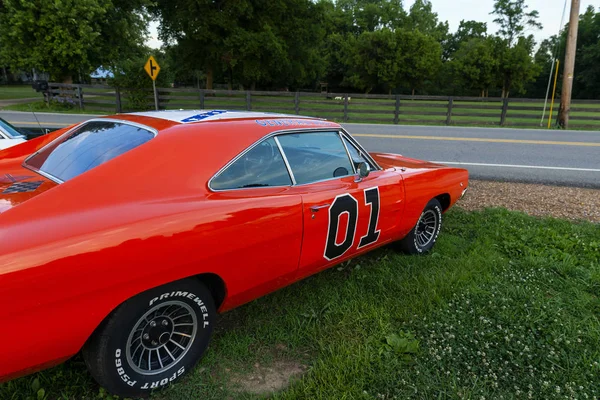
(101,76)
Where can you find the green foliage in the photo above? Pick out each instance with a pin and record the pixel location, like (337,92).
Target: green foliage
(476,65)
(420,58)
(467,30)
(513,19)
(133,81)
(587,69)
(69,38)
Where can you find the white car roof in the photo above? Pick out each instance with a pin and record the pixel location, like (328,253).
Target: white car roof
(188,116)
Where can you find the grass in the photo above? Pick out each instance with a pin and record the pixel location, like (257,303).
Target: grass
(505,307)
(13,92)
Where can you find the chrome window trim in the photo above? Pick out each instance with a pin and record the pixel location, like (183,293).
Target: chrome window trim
(361,150)
(285,160)
(290,172)
(347,151)
(58,180)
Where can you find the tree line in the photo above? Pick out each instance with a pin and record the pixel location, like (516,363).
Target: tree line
(369,46)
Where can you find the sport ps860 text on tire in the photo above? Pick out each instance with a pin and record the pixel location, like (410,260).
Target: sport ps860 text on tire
(152,339)
(424,234)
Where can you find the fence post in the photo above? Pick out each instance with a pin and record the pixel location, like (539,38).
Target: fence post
(118,100)
(80,97)
(201,99)
(346,107)
(449,115)
(297,103)
(504,111)
(248,101)
(397,110)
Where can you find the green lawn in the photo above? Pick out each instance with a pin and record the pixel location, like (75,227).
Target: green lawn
(507,306)
(9,92)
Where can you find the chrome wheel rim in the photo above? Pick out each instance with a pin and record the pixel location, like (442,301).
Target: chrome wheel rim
(161,337)
(426,228)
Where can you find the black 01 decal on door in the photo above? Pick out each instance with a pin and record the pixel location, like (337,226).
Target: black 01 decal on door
(347,204)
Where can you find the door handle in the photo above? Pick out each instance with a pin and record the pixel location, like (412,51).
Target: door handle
(317,208)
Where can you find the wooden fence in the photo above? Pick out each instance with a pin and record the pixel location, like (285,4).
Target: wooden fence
(340,107)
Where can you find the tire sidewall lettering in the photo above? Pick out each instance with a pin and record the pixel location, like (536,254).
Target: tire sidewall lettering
(150,382)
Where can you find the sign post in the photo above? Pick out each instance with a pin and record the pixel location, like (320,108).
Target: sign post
(152,69)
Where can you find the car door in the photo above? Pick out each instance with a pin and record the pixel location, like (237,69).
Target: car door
(343,215)
(260,235)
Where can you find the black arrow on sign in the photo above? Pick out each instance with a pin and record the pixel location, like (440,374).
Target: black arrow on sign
(152,68)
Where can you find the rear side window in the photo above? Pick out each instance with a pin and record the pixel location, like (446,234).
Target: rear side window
(87,147)
(261,166)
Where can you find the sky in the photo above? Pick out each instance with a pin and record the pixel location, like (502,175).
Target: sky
(454,11)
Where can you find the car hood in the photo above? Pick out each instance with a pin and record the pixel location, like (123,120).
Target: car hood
(18,185)
(389,160)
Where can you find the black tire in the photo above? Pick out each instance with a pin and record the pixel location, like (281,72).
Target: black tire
(424,234)
(122,354)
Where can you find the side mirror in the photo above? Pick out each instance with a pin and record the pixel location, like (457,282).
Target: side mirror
(362,171)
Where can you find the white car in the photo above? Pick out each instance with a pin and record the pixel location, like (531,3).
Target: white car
(9,135)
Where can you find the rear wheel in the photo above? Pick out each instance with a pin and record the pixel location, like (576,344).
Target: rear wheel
(152,339)
(425,233)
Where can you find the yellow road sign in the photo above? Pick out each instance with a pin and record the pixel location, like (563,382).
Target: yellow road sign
(152,68)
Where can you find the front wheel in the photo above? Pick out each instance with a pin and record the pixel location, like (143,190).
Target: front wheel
(152,339)
(425,233)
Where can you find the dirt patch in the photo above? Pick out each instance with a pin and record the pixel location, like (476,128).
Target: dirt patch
(267,379)
(540,200)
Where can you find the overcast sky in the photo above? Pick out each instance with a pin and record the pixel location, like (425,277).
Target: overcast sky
(454,11)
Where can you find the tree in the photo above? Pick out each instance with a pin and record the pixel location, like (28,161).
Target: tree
(516,65)
(375,60)
(467,30)
(358,16)
(514,49)
(273,42)
(475,65)
(513,19)
(419,58)
(70,37)
(422,18)
(543,59)
(587,70)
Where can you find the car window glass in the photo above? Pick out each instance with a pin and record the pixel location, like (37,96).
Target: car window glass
(316,156)
(356,155)
(262,166)
(9,130)
(87,147)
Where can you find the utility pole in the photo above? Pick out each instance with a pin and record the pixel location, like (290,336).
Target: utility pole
(569,69)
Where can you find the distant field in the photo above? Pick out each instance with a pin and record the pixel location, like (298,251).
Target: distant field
(421,111)
(10,92)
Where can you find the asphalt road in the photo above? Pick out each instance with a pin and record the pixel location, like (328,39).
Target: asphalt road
(539,156)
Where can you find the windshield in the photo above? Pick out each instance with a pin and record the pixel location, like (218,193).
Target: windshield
(10,130)
(87,147)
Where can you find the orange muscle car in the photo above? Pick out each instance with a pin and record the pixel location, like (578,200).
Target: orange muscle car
(123,236)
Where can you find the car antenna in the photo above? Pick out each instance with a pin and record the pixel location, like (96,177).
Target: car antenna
(36,118)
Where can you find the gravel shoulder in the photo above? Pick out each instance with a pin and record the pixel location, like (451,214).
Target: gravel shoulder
(570,203)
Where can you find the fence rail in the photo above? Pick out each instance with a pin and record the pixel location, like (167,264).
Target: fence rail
(340,107)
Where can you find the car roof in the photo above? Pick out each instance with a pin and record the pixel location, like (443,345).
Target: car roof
(189,116)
